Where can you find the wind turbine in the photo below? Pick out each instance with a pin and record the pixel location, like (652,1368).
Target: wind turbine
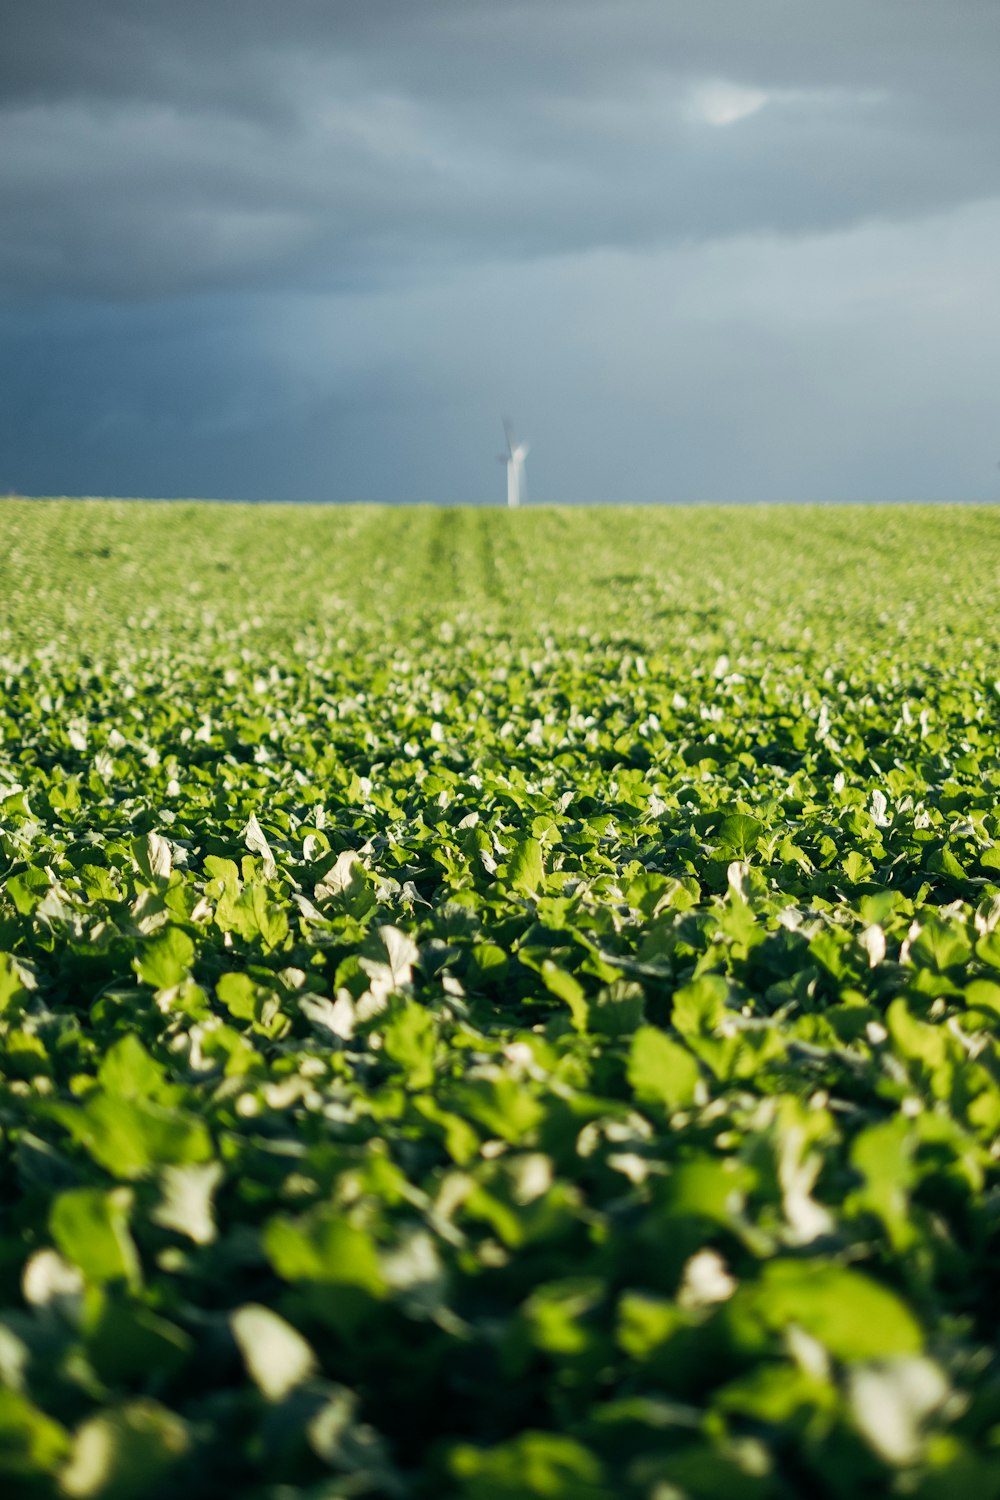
(514,459)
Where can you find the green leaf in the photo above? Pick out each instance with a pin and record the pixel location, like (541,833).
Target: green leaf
(566,987)
(704,1188)
(246,1000)
(646,1322)
(738,833)
(32,1444)
(91,1228)
(166,959)
(256,842)
(410,1039)
(128,1070)
(852,1316)
(533,1463)
(12,988)
(346,880)
(129,1137)
(661,1071)
(618,1009)
(488,961)
(940,945)
(883,1155)
(857,867)
(325,1248)
(700,1006)
(240,995)
(988,948)
(154,858)
(525,870)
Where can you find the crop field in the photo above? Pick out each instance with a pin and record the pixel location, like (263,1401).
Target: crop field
(499,1005)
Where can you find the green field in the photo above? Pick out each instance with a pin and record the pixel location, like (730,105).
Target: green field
(499,1005)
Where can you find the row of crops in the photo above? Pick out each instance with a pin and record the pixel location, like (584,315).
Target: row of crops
(499,1005)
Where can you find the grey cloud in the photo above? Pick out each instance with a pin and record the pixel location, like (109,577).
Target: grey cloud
(177,147)
(860,365)
(185,47)
(312,249)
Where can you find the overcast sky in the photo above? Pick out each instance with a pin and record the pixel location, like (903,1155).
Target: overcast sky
(314,249)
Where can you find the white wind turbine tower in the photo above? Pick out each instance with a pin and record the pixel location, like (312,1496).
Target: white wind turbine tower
(514,459)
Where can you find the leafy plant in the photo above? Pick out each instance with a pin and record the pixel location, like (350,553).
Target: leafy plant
(498,1005)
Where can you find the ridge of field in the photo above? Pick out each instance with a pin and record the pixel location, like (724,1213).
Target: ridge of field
(499,1005)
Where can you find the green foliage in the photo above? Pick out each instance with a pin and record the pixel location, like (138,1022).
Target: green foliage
(508,1008)
(662,1071)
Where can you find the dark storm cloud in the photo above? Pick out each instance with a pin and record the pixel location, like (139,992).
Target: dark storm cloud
(174,147)
(312,248)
